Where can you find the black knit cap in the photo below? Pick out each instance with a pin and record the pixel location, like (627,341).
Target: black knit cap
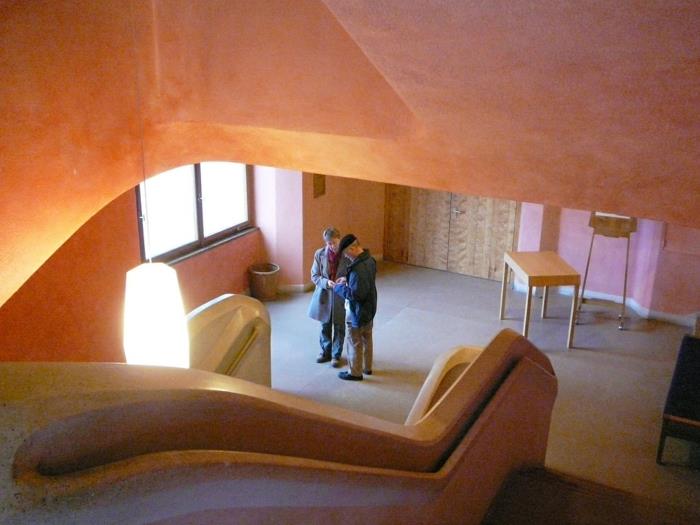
(346,241)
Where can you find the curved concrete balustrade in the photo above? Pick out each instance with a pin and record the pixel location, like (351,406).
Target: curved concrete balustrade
(231,335)
(448,367)
(108,443)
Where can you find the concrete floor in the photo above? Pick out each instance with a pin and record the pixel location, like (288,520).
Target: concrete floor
(612,385)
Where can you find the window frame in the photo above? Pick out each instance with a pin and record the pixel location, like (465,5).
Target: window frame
(202,243)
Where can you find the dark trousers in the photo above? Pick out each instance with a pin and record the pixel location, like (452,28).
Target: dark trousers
(332,338)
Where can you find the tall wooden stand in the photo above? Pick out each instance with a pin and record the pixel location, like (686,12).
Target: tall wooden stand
(609,225)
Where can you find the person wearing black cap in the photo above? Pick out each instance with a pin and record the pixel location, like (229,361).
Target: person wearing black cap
(360,292)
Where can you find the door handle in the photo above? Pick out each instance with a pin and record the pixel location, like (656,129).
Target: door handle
(457,212)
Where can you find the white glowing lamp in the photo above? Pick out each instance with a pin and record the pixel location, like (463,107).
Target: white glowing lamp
(155,330)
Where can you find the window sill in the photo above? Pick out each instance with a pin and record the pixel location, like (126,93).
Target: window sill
(220,242)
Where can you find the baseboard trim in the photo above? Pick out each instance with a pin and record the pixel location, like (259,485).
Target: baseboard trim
(642,311)
(296,288)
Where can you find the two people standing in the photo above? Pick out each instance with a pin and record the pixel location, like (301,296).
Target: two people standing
(344,274)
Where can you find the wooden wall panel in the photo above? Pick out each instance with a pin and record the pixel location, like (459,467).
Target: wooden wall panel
(505,223)
(480,234)
(468,235)
(458,233)
(429,228)
(397,216)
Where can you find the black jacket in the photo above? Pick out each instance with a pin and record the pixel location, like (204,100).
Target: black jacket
(360,290)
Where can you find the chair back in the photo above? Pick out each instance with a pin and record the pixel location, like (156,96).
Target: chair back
(683,398)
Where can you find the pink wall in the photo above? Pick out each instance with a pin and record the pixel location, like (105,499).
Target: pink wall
(530,234)
(265,191)
(646,246)
(539,227)
(677,284)
(290,226)
(292,219)
(664,276)
(279,215)
(607,268)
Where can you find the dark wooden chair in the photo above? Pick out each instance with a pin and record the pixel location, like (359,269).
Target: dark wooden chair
(681,417)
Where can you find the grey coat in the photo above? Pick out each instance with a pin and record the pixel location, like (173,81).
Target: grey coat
(324,301)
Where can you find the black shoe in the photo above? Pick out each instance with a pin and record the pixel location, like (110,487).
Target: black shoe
(367,372)
(349,377)
(323,358)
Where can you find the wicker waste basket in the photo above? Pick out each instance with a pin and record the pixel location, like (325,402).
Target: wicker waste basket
(263,281)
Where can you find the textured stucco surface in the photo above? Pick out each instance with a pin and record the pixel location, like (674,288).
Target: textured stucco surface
(580,105)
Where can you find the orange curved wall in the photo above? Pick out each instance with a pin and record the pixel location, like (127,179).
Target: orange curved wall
(71,309)
(86,85)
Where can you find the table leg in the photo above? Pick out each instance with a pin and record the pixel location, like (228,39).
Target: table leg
(528,301)
(572,319)
(545,295)
(504,284)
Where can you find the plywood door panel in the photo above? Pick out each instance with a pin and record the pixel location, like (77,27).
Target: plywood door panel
(481,230)
(429,226)
(397,216)
(465,228)
(420,229)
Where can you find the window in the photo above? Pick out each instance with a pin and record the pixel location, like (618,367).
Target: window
(188,208)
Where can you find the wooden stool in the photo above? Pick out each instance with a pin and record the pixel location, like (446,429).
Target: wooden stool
(610,225)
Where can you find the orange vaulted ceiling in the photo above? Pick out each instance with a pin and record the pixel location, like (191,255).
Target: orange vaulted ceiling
(591,105)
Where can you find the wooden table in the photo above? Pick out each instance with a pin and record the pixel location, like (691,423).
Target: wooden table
(540,269)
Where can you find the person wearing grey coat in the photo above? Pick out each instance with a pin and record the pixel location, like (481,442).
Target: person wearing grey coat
(327,307)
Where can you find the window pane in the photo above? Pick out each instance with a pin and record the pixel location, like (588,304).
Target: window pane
(224,196)
(168,203)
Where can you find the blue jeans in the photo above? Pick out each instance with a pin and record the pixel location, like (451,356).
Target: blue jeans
(332,338)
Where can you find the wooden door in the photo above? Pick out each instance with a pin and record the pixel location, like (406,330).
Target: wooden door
(445,231)
(429,228)
(481,230)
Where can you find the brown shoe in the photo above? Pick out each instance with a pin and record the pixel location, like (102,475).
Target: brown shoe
(335,363)
(323,358)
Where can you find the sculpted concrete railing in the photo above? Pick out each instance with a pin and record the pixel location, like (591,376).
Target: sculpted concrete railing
(108,443)
(230,335)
